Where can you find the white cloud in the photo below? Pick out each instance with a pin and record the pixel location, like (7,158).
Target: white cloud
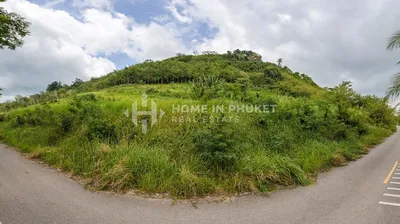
(53,3)
(154,42)
(320,38)
(63,48)
(181,18)
(102,4)
(104,33)
(55,50)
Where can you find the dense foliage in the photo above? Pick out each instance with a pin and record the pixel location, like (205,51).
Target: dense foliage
(13,28)
(81,128)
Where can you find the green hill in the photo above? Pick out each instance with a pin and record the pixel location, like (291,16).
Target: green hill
(274,127)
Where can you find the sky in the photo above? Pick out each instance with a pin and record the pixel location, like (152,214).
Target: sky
(331,41)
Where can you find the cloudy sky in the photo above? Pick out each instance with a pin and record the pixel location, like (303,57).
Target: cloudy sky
(331,41)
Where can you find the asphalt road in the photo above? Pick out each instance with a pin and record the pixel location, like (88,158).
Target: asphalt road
(33,194)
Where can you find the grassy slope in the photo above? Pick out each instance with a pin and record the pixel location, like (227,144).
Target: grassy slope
(163,160)
(90,137)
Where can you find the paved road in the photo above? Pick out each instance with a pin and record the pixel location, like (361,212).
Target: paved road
(32,194)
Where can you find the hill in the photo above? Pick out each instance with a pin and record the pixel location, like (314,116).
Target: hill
(220,124)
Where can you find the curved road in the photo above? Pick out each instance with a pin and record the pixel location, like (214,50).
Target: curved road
(31,193)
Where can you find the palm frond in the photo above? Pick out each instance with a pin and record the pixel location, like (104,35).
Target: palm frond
(394,90)
(394,41)
(397,106)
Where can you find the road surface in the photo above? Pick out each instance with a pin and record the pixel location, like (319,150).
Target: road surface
(33,194)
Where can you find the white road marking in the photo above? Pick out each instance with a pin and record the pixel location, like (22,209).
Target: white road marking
(393,188)
(388,203)
(396,181)
(392,195)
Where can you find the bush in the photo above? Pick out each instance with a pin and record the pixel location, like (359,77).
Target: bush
(66,123)
(272,74)
(101,129)
(17,121)
(214,145)
(88,97)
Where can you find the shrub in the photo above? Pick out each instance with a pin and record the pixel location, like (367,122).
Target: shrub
(17,121)
(66,123)
(101,129)
(214,144)
(272,74)
(87,97)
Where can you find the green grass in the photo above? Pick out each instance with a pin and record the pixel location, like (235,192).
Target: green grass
(259,154)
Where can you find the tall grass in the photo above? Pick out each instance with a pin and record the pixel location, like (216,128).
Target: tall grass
(90,137)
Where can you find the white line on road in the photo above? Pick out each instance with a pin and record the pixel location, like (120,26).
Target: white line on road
(395,182)
(397,173)
(388,203)
(393,188)
(397,178)
(392,195)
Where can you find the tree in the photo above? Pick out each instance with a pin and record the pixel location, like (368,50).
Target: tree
(1,92)
(394,89)
(77,82)
(21,100)
(54,86)
(13,28)
(280,60)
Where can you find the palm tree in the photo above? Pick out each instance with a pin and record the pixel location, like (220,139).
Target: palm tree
(394,89)
(280,62)
(394,41)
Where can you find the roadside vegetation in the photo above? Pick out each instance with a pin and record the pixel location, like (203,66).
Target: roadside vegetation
(81,128)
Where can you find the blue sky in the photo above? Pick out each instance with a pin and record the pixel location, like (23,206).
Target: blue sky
(143,12)
(331,41)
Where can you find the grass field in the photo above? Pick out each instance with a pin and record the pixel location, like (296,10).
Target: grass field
(92,138)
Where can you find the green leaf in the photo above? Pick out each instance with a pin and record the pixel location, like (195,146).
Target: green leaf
(394,41)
